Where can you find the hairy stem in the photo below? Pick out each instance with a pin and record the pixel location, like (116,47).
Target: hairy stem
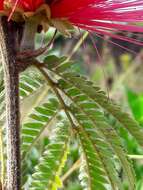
(11,76)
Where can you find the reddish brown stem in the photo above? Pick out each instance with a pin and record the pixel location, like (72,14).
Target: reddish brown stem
(11,76)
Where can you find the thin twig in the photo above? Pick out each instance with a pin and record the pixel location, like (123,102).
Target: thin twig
(33,54)
(135,157)
(77,45)
(76,166)
(53,86)
(73,168)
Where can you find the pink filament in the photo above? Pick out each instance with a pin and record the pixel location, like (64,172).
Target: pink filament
(100,16)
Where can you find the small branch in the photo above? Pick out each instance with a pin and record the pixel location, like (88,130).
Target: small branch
(77,45)
(11,77)
(32,54)
(52,84)
(73,168)
(135,157)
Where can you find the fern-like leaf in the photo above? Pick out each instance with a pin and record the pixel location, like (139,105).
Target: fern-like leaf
(29,84)
(48,170)
(88,114)
(95,168)
(88,88)
(108,143)
(39,120)
(81,93)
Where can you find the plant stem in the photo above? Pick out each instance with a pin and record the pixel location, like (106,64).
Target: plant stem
(11,76)
(55,89)
(73,168)
(77,45)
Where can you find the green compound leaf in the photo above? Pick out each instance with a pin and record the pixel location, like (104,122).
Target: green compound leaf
(86,87)
(87,103)
(48,170)
(95,171)
(39,120)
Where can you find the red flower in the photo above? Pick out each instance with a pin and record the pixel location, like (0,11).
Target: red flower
(101,16)
(30,5)
(1,5)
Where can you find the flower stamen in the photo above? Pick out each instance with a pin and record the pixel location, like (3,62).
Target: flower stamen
(13,9)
